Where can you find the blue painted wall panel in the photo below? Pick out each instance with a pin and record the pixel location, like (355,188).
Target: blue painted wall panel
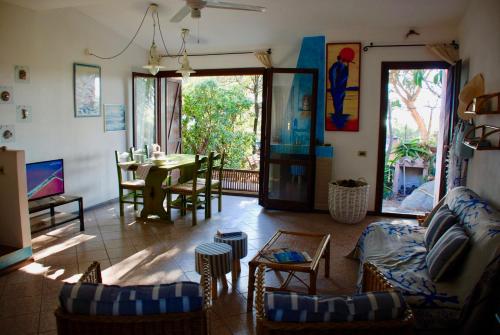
(312,55)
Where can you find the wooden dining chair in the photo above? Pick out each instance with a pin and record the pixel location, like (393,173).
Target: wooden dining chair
(191,190)
(213,182)
(134,187)
(216,166)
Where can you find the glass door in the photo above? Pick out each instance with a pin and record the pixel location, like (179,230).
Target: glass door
(288,133)
(145,117)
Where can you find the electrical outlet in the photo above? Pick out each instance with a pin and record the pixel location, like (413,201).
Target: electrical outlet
(362,153)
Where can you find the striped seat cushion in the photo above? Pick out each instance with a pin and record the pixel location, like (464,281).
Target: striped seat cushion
(99,299)
(439,224)
(447,252)
(294,307)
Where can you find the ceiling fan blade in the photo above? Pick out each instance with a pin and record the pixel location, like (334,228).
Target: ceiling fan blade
(235,6)
(181,14)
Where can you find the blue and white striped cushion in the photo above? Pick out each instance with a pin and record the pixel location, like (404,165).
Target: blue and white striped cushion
(447,252)
(294,307)
(440,223)
(99,299)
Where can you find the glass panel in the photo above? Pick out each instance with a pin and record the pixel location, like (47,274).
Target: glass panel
(288,182)
(291,115)
(145,111)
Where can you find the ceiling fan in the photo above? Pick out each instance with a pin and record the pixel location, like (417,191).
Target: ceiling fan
(195,6)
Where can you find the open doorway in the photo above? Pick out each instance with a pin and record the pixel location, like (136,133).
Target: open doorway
(223,113)
(413,130)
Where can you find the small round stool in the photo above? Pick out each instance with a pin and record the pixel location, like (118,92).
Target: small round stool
(239,245)
(219,256)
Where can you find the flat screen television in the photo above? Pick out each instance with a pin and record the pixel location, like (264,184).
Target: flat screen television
(45,179)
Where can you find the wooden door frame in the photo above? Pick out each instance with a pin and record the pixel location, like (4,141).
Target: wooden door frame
(244,71)
(168,123)
(265,160)
(384,97)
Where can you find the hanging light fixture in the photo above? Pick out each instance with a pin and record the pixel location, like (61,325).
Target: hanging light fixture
(185,69)
(154,57)
(154,60)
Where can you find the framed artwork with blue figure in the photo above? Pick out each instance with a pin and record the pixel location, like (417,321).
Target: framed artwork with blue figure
(343,62)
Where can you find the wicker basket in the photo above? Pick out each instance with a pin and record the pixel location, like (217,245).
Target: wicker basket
(348,204)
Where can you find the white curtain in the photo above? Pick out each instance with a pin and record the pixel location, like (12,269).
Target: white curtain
(446,52)
(265,58)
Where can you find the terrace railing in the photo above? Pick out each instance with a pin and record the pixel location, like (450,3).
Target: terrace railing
(239,181)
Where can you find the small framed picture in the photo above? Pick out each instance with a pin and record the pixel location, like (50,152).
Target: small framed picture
(114,117)
(24,114)
(87,90)
(6,94)
(22,74)
(7,133)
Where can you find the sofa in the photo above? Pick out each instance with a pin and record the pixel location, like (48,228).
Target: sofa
(468,299)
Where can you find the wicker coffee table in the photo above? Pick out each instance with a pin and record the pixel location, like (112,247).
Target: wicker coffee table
(316,245)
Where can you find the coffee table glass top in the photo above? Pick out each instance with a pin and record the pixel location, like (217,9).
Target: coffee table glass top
(313,244)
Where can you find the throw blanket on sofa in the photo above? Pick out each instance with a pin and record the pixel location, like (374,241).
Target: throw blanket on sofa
(397,249)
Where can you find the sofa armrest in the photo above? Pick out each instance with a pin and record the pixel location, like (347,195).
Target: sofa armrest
(374,280)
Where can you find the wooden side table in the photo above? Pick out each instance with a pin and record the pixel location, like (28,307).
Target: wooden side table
(219,256)
(239,244)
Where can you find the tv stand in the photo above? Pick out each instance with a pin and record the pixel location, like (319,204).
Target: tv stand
(50,203)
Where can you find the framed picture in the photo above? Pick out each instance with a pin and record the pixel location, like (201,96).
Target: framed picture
(7,133)
(114,117)
(22,74)
(87,90)
(23,113)
(343,62)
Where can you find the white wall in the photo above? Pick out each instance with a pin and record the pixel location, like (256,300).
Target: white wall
(347,164)
(49,42)
(480,45)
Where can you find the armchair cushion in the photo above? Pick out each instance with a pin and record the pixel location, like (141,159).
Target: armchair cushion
(294,307)
(99,299)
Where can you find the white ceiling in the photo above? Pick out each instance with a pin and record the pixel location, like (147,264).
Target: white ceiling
(283,22)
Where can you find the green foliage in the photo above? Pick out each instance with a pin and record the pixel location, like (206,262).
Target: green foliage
(418,77)
(215,118)
(388,180)
(438,78)
(413,149)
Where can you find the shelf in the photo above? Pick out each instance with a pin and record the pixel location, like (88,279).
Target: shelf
(480,103)
(473,141)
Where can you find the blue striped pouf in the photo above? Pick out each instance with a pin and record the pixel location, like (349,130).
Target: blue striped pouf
(219,257)
(238,243)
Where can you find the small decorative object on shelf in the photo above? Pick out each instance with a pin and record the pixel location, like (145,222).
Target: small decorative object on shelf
(487,104)
(485,141)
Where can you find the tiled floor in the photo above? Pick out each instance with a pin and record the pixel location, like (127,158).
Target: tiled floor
(138,252)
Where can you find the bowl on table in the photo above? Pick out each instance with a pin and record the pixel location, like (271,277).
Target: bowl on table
(159,161)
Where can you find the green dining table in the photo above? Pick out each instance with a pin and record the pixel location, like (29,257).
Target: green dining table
(154,193)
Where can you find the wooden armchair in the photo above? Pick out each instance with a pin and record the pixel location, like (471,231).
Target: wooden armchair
(373,280)
(193,323)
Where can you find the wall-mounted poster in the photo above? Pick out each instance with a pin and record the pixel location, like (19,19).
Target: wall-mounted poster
(87,86)
(342,86)
(114,117)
